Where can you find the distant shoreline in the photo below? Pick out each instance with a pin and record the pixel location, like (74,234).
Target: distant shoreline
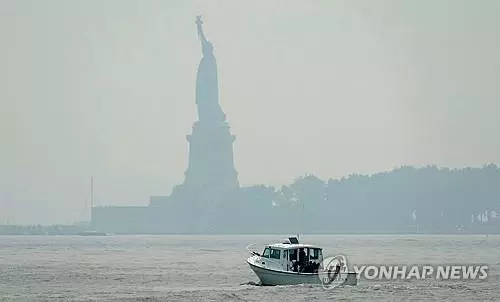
(75,230)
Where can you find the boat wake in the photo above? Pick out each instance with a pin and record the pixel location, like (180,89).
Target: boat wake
(252,283)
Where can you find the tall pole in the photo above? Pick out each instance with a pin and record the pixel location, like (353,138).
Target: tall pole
(91,196)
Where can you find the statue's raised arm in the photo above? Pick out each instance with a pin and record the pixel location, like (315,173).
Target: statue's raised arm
(205,44)
(199,24)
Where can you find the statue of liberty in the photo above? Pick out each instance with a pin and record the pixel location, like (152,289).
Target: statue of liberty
(207,91)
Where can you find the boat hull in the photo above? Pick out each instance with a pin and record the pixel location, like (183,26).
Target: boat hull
(273,277)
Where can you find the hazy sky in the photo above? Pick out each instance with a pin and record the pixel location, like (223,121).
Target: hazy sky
(106,88)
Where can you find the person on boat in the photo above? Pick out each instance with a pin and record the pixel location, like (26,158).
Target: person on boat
(337,270)
(316,267)
(302,256)
(309,267)
(302,260)
(293,260)
(335,273)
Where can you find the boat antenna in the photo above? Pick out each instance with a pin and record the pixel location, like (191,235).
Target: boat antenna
(301,226)
(302,218)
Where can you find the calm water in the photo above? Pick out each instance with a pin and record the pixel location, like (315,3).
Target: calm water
(213,268)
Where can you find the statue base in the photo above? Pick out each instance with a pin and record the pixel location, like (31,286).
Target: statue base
(211,162)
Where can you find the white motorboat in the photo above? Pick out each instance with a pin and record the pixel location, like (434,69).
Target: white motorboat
(290,263)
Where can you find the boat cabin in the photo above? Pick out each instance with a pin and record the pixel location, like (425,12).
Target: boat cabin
(293,256)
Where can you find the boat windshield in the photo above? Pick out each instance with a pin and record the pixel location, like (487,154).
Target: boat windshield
(275,254)
(267,252)
(315,253)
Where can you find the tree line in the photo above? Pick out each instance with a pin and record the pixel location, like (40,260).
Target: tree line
(404,200)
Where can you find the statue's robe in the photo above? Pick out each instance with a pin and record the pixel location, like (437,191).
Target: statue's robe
(207,91)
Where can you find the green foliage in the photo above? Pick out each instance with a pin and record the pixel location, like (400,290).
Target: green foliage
(441,200)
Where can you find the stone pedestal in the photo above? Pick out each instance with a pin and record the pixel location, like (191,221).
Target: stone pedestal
(211,162)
